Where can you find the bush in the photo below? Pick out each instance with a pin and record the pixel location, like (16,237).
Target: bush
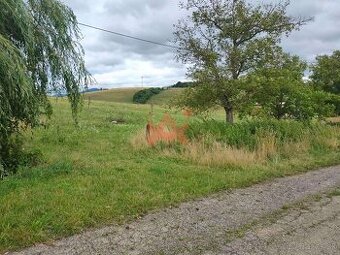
(141,97)
(12,155)
(335,100)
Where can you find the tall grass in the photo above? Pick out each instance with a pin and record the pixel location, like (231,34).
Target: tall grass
(259,142)
(217,154)
(90,175)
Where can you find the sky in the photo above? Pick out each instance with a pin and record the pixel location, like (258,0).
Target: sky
(120,62)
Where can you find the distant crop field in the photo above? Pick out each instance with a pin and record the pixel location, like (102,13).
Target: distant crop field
(123,95)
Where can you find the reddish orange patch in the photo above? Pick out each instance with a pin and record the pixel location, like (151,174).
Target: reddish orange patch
(167,131)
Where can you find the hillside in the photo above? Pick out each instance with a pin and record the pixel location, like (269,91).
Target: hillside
(125,95)
(122,95)
(166,96)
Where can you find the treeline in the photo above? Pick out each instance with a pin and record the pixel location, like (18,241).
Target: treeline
(182,84)
(142,96)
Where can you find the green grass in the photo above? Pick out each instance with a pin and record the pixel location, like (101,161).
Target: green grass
(92,176)
(165,97)
(123,95)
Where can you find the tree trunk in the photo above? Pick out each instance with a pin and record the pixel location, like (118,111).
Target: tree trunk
(228,108)
(229,112)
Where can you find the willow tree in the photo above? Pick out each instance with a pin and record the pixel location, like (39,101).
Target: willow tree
(39,52)
(222,40)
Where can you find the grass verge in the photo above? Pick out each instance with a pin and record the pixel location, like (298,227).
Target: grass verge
(91,175)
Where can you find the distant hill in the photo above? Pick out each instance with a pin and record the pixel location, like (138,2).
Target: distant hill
(121,95)
(63,93)
(93,90)
(125,95)
(166,96)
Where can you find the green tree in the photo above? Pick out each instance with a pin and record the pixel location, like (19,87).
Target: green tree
(39,51)
(280,92)
(222,40)
(326,75)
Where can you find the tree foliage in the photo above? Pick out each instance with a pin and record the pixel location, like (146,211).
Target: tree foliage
(182,84)
(280,92)
(326,76)
(223,40)
(39,51)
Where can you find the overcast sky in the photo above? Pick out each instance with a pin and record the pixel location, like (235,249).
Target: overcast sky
(118,62)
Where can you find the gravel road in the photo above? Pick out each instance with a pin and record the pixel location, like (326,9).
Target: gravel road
(204,226)
(313,229)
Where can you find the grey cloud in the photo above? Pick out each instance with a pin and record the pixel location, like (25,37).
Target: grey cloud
(321,36)
(78,5)
(132,7)
(110,56)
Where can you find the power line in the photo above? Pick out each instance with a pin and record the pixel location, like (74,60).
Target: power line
(129,36)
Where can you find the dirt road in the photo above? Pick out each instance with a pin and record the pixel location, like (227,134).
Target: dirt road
(262,219)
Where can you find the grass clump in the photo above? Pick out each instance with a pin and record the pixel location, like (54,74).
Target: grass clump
(256,142)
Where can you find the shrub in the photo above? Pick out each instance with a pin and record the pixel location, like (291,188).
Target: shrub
(12,155)
(141,97)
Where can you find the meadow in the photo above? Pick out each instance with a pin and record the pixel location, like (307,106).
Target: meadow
(124,95)
(166,96)
(102,171)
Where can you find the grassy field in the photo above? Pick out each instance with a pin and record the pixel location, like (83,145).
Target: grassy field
(165,97)
(101,173)
(123,95)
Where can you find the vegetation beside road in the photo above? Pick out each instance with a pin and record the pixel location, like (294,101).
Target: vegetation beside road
(97,174)
(89,168)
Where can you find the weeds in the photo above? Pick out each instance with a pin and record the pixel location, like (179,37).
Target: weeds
(216,144)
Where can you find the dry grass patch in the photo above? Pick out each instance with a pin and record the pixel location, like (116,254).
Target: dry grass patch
(292,149)
(334,120)
(218,154)
(331,143)
(266,145)
(138,141)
